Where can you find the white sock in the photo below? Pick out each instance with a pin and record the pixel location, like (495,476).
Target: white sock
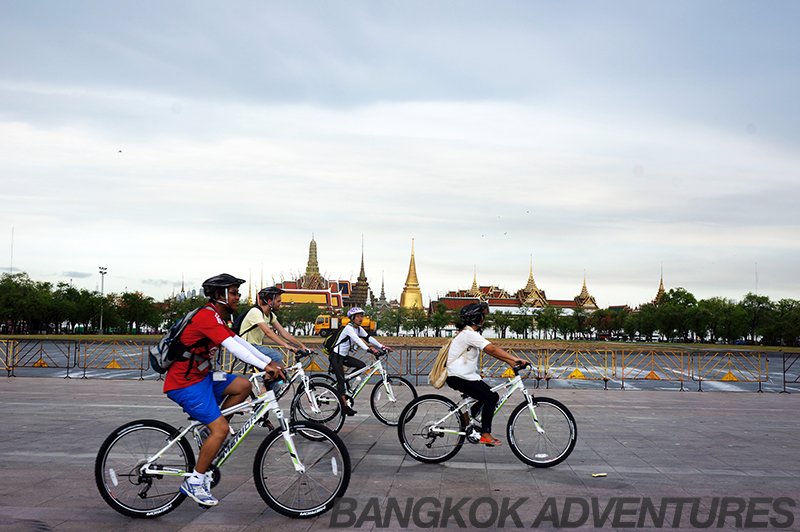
(197,478)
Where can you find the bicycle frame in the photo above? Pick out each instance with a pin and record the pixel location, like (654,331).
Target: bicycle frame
(298,373)
(261,406)
(372,369)
(513,384)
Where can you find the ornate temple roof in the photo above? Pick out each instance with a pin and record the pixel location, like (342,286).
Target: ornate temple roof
(312,279)
(531,295)
(584,299)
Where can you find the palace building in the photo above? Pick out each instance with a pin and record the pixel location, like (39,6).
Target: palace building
(312,287)
(336,295)
(499,299)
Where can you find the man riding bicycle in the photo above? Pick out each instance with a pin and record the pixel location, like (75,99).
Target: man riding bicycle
(261,321)
(192,384)
(463,373)
(349,339)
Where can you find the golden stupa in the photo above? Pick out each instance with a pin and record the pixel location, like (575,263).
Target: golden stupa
(411,296)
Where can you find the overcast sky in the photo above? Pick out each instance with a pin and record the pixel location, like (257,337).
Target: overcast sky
(169,140)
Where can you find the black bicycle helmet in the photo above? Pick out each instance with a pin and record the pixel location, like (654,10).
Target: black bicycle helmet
(220,282)
(472,314)
(270,292)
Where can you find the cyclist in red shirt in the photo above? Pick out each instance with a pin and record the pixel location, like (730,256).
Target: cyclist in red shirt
(199,390)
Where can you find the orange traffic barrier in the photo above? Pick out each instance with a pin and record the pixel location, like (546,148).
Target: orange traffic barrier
(44,354)
(115,354)
(653,365)
(579,364)
(741,366)
(7,355)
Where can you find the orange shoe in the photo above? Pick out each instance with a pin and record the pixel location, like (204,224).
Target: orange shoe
(489,442)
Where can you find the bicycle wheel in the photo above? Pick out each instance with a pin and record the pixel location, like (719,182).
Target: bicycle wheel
(386,410)
(118,475)
(430,429)
(324,378)
(325,475)
(542,449)
(331,410)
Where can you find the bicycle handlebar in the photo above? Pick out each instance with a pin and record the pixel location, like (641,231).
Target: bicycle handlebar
(519,367)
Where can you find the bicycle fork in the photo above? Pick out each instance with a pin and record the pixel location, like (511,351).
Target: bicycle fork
(532,410)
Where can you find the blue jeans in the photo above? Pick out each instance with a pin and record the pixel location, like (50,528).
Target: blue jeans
(274,355)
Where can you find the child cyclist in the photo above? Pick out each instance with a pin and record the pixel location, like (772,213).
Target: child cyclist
(351,339)
(463,373)
(192,384)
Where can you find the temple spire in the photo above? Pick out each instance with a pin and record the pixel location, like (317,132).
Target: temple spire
(475,290)
(411,296)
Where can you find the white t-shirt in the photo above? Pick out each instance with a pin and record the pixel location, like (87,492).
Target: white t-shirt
(466,365)
(351,338)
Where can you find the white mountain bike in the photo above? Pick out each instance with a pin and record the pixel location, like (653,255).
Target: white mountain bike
(300,469)
(541,431)
(389,396)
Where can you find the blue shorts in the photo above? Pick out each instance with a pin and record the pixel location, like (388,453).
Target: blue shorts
(201,400)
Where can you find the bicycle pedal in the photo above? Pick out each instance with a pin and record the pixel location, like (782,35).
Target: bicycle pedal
(204,506)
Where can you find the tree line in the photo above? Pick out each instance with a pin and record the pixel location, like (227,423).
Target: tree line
(28,306)
(678,317)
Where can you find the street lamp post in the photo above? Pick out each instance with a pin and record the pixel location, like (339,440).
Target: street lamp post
(103,272)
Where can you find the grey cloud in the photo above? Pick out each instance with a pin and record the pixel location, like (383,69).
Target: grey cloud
(77,275)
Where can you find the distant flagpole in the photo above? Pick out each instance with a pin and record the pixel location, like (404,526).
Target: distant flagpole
(11,265)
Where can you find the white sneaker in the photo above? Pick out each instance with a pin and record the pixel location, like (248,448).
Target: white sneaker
(200,493)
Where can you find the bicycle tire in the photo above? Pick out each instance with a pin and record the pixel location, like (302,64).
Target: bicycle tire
(413,429)
(542,449)
(125,450)
(331,406)
(318,487)
(387,411)
(323,377)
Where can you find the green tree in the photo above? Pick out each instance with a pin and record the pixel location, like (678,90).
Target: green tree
(138,310)
(674,313)
(760,312)
(396,319)
(733,321)
(548,319)
(786,325)
(581,320)
(603,322)
(630,325)
(305,315)
(500,321)
(521,323)
(565,325)
(647,320)
(440,319)
(417,320)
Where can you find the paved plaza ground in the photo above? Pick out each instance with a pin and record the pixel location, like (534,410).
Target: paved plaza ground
(720,458)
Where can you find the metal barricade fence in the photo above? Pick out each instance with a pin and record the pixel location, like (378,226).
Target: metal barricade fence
(420,362)
(579,364)
(653,365)
(44,354)
(115,354)
(7,355)
(741,366)
(789,362)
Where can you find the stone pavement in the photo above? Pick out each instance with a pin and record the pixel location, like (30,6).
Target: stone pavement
(728,459)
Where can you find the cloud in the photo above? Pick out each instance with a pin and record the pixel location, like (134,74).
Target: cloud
(77,275)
